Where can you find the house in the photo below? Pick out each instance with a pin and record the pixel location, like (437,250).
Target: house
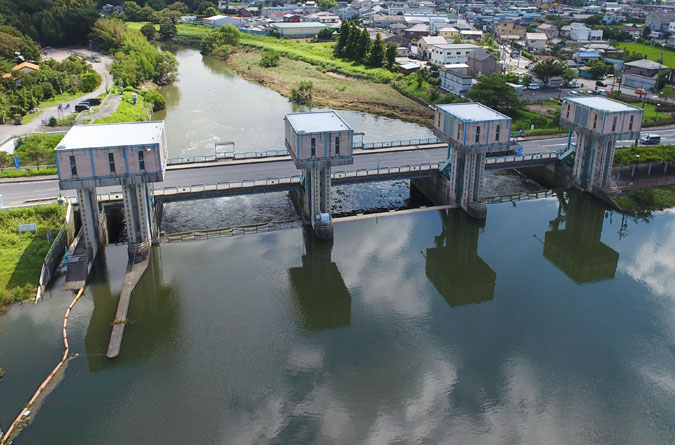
(217,21)
(18,70)
(417,31)
(292,18)
(482,62)
(471,34)
(270,12)
(448,32)
(536,40)
(454,81)
(451,53)
(659,20)
(642,73)
(585,56)
(511,28)
(398,29)
(298,30)
(424,45)
(408,68)
(549,29)
(634,32)
(581,33)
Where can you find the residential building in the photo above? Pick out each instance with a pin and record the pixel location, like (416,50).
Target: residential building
(482,62)
(424,45)
(451,53)
(581,33)
(448,32)
(298,30)
(536,40)
(511,28)
(549,29)
(634,32)
(471,34)
(455,81)
(659,20)
(417,31)
(641,73)
(273,11)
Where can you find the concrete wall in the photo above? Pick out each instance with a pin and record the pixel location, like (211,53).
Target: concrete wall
(325,145)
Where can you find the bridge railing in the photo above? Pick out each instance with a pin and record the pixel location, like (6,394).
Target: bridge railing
(399,143)
(521,158)
(385,170)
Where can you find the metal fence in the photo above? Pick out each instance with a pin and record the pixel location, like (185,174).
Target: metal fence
(522,158)
(399,143)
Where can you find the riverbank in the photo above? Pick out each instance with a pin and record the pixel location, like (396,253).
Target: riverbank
(22,254)
(644,200)
(330,89)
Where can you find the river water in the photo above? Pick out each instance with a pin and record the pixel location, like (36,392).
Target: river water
(551,322)
(209,103)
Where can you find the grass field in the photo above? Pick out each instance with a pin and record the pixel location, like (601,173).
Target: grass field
(21,255)
(652,52)
(127,111)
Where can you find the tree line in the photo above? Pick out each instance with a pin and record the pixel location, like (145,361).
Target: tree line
(355,44)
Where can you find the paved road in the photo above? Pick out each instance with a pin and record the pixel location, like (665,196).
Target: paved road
(8,131)
(19,192)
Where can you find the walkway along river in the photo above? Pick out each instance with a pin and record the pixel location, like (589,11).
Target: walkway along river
(552,322)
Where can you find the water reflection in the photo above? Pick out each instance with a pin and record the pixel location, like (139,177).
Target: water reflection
(577,249)
(454,267)
(322,298)
(153,312)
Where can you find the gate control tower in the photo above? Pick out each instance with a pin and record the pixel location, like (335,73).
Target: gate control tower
(471,131)
(316,142)
(598,123)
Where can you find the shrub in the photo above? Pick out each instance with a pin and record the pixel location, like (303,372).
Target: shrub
(270,59)
(156,100)
(303,94)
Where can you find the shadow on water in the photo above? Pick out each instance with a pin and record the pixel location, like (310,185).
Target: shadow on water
(321,296)
(576,249)
(153,314)
(453,265)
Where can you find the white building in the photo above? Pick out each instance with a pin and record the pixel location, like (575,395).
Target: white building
(536,40)
(455,81)
(581,33)
(451,53)
(217,21)
(298,30)
(424,45)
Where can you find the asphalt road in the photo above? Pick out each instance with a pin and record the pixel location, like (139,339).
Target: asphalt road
(16,193)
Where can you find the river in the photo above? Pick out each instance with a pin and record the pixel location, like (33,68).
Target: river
(552,321)
(209,103)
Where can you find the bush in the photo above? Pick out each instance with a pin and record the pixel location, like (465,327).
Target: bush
(303,94)
(155,99)
(270,59)
(223,51)
(90,81)
(52,121)
(148,30)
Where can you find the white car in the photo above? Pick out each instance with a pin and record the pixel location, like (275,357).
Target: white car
(533,86)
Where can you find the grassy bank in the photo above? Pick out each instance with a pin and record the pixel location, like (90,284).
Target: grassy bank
(21,255)
(642,200)
(329,88)
(641,153)
(127,111)
(652,52)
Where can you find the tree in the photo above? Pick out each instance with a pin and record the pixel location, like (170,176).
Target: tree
(646,31)
(325,5)
(667,92)
(157,5)
(167,30)
(179,7)
(167,68)
(90,81)
(204,6)
(131,11)
(341,43)
(325,34)
(377,50)
(390,54)
(225,35)
(363,46)
(156,99)
(547,69)
(597,68)
(148,30)
(495,93)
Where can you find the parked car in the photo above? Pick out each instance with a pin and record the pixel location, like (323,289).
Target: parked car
(92,101)
(533,86)
(640,91)
(575,93)
(82,106)
(574,84)
(650,139)
(600,83)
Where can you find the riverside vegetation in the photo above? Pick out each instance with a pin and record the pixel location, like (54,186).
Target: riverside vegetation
(22,254)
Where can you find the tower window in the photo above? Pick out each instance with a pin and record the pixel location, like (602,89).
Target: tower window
(111,162)
(630,123)
(477,134)
(73,166)
(614,124)
(337,145)
(595,121)
(313,147)
(141,160)
(497,132)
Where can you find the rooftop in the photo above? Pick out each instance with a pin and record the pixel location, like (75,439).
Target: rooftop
(456,46)
(112,135)
(299,25)
(647,64)
(317,122)
(473,111)
(602,104)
